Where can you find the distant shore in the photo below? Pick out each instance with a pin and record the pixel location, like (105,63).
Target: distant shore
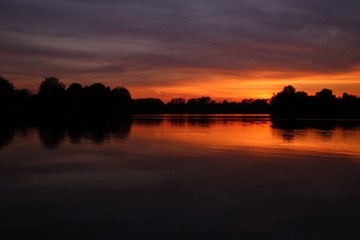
(97,100)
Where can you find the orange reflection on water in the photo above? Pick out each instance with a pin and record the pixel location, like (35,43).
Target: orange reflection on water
(185,135)
(257,133)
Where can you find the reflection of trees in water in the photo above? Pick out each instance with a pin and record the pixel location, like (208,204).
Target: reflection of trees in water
(193,121)
(51,136)
(325,134)
(200,122)
(324,129)
(303,124)
(53,133)
(22,130)
(6,135)
(9,128)
(121,131)
(209,120)
(178,121)
(74,133)
(289,135)
(97,133)
(148,120)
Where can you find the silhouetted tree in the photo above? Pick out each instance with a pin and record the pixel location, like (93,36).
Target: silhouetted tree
(97,98)
(254,106)
(178,101)
(149,105)
(349,105)
(6,88)
(121,100)
(200,101)
(121,95)
(75,98)
(75,89)
(97,90)
(288,102)
(289,90)
(325,94)
(7,97)
(50,97)
(51,86)
(326,102)
(201,105)
(22,93)
(176,105)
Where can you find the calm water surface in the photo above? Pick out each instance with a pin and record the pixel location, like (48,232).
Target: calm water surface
(181,177)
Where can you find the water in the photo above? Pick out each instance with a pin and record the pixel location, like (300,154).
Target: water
(181,177)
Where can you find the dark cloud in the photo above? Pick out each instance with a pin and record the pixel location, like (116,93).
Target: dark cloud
(125,37)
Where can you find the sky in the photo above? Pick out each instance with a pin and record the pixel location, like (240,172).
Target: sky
(225,49)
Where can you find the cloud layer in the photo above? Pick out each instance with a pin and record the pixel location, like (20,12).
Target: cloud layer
(168,43)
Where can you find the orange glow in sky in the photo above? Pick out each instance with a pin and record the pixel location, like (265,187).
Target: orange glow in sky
(256,85)
(219,86)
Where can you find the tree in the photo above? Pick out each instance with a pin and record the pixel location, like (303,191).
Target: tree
(6,88)
(7,96)
(200,101)
(350,105)
(149,105)
(75,89)
(97,90)
(325,94)
(176,105)
(289,90)
(254,105)
(177,101)
(348,97)
(22,93)
(326,102)
(121,100)
(51,86)
(121,94)
(288,102)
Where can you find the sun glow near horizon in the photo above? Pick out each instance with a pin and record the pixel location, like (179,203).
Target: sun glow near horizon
(235,89)
(218,86)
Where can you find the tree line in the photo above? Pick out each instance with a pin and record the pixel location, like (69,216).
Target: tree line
(292,103)
(53,98)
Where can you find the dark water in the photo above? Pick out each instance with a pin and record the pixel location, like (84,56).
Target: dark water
(181,177)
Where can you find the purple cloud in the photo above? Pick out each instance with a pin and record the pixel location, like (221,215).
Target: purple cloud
(132,38)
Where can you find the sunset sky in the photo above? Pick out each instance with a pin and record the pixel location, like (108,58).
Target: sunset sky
(226,49)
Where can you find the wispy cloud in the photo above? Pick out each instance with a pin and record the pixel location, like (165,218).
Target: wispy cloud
(166,41)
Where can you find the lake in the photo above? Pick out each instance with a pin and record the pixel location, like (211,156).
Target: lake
(181,177)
